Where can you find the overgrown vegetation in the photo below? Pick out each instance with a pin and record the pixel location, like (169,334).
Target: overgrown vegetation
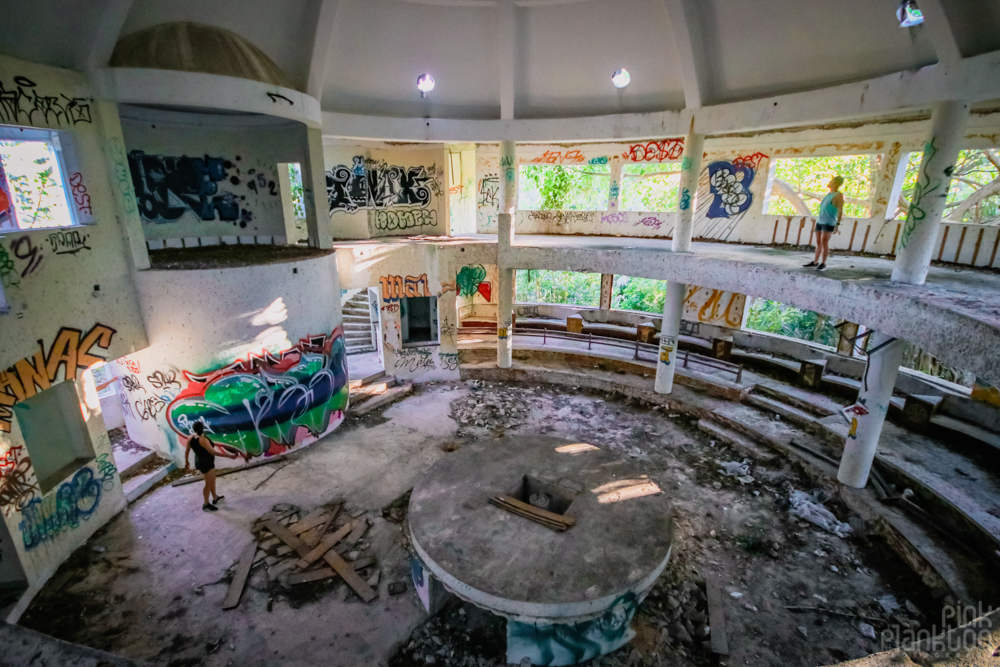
(560,187)
(974,192)
(643,294)
(564,287)
(799,184)
(650,187)
(778,318)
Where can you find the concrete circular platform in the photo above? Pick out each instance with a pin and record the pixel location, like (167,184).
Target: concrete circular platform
(612,555)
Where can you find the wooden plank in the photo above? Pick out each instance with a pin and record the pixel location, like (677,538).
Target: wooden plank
(286,536)
(280,568)
(359,529)
(363,590)
(259,523)
(551,516)
(311,520)
(327,544)
(312,538)
(221,472)
(531,517)
(716,615)
(315,575)
(240,578)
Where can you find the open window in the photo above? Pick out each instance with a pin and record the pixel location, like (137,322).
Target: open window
(55,434)
(558,187)
(650,187)
(40,184)
(798,185)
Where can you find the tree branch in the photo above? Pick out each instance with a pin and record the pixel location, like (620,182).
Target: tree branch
(985,192)
(783,189)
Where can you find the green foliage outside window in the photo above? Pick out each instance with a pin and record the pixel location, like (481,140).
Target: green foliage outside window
(643,294)
(974,191)
(778,318)
(560,187)
(563,287)
(650,187)
(801,183)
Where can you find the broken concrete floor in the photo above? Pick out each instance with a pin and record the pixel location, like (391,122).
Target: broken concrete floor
(150,585)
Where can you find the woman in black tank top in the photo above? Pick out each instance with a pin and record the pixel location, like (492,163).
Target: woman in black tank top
(205,452)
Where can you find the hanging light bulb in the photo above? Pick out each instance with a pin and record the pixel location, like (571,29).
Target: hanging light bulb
(621,78)
(425,84)
(908,14)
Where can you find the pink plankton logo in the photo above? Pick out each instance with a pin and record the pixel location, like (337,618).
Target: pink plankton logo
(962,627)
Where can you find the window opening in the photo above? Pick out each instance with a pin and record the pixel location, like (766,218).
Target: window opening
(562,287)
(779,318)
(34,180)
(643,294)
(418,319)
(798,185)
(650,187)
(562,187)
(973,193)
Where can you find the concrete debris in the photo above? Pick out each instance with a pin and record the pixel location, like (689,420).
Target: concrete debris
(867,630)
(809,508)
(889,604)
(735,468)
(803,632)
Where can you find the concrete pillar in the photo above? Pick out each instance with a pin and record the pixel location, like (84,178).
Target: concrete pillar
(607,284)
(882,205)
(673,308)
(505,238)
(694,147)
(868,414)
(615,194)
(448,322)
(919,235)
(314,191)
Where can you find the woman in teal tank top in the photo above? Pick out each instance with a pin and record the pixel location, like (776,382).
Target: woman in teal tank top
(831,211)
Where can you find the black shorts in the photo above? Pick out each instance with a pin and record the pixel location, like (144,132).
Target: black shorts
(825,228)
(204,464)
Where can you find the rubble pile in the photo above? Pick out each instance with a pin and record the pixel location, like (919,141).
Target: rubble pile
(491,406)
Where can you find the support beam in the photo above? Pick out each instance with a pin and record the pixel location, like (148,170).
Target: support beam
(314,190)
(113,18)
(867,415)
(694,148)
(506,55)
(505,239)
(322,40)
(673,309)
(615,194)
(684,25)
(607,286)
(939,29)
(885,182)
(919,235)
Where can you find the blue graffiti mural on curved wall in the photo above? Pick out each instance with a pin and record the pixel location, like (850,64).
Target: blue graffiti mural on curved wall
(730,183)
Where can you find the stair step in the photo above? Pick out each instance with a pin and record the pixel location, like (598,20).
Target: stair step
(741,443)
(360,312)
(789,398)
(359,350)
(389,395)
(792,414)
(357,318)
(357,326)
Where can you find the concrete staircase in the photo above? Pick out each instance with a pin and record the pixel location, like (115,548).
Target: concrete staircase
(375,391)
(357,324)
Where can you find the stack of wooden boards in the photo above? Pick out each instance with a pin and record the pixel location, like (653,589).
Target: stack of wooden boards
(548,519)
(311,548)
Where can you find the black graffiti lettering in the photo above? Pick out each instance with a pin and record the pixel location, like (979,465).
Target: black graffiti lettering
(275,97)
(148,408)
(23,104)
(367,184)
(68,243)
(132,383)
(161,380)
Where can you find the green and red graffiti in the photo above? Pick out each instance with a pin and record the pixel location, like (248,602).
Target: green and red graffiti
(267,404)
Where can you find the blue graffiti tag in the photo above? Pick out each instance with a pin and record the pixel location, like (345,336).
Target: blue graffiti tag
(75,500)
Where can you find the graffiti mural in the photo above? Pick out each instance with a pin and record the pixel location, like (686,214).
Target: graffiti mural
(371,184)
(16,486)
(668,149)
(563,217)
(400,219)
(396,287)
(267,404)
(167,187)
(75,501)
(22,104)
(71,350)
(472,280)
(80,196)
(116,151)
(558,157)
(68,243)
(570,643)
(926,186)
(712,306)
(413,359)
(730,183)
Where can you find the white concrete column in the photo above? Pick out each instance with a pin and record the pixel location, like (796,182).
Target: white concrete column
(694,147)
(505,238)
(607,290)
(615,195)
(673,309)
(868,414)
(448,321)
(919,234)
(314,190)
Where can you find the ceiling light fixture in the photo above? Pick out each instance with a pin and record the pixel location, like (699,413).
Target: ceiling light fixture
(425,84)
(621,78)
(908,14)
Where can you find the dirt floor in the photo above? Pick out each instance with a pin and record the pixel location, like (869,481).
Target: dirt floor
(227,256)
(149,586)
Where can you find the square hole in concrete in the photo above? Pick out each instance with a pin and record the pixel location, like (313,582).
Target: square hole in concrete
(543,495)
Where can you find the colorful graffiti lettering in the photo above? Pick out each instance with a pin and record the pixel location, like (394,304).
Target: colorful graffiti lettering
(68,243)
(399,219)
(685,202)
(924,187)
(71,349)
(130,364)
(80,195)
(76,500)
(557,157)
(116,151)
(615,218)
(168,187)
(472,280)
(562,217)
(651,221)
(106,469)
(502,333)
(705,305)
(263,404)
(668,149)
(22,105)
(396,287)
(731,186)
(368,184)
(752,161)
(570,643)
(667,345)
(603,159)
(15,489)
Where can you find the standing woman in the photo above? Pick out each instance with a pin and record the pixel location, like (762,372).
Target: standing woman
(831,211)
(205,452)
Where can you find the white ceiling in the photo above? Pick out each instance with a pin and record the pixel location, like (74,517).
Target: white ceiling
(564,50)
